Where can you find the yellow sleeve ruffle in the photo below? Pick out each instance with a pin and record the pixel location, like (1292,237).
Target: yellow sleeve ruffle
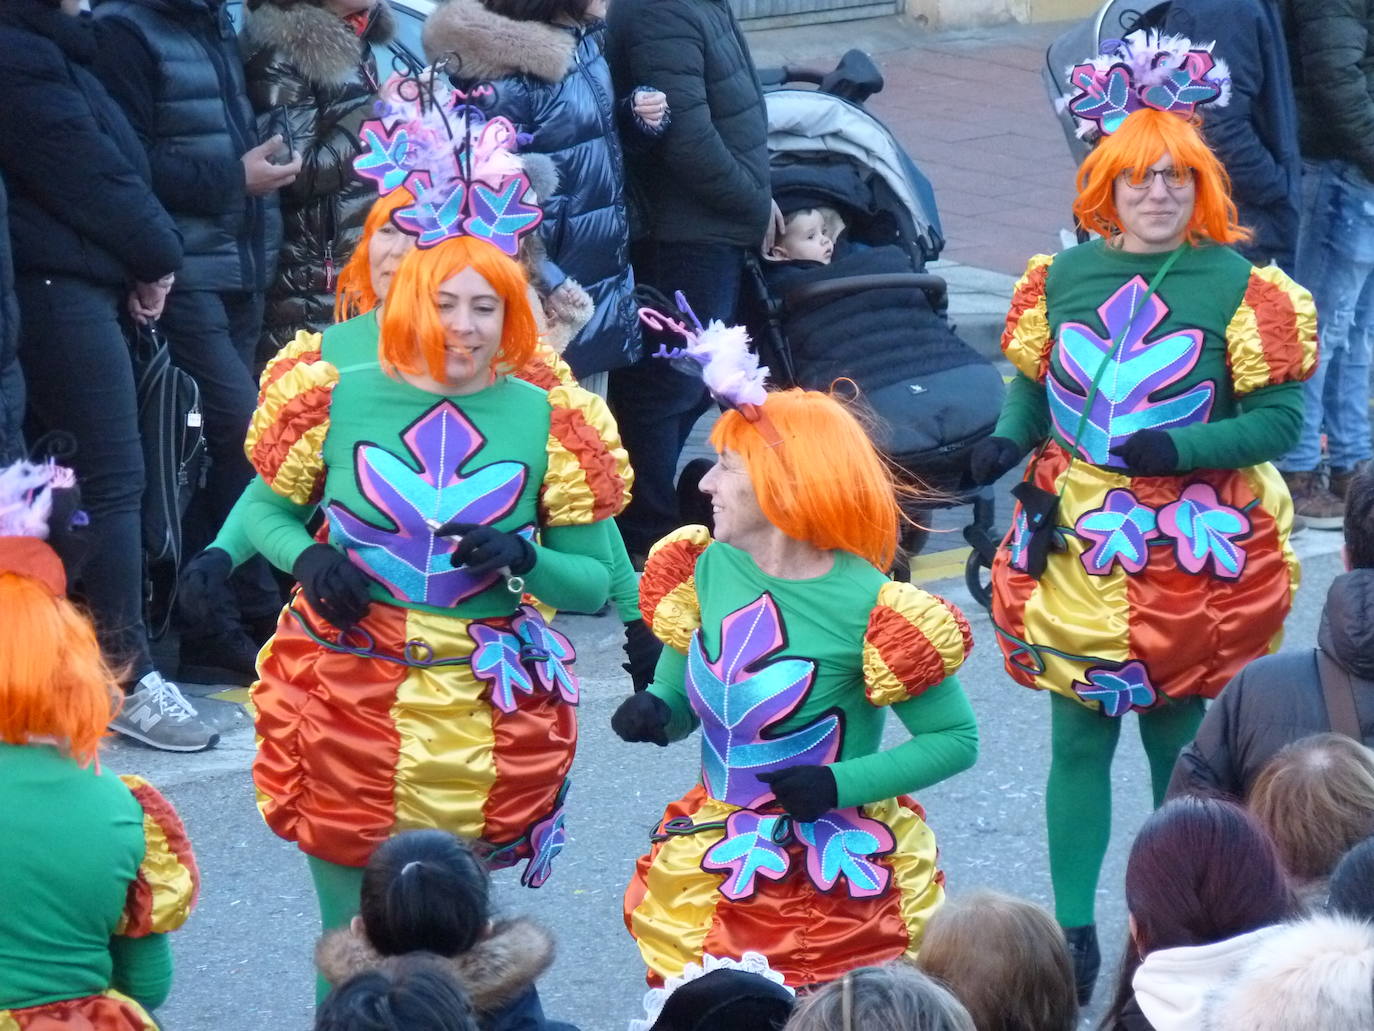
(164,892)
(588,476)
(1272,337)
(286,437)
(914,640)
(668,589)
(1026,340)
(546,368)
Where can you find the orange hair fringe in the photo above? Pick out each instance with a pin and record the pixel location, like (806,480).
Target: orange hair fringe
(354,295)
(1145,137)
(412,335)
(848,503)
(54,684)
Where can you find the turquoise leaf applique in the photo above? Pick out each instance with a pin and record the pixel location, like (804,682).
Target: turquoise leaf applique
(1205,530)
(846,843)
(1121,531)
(752,848)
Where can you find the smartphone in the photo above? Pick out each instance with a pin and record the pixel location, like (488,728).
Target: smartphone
(279,125)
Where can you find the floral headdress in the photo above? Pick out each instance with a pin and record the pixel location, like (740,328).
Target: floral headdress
(460,165)
(1144,70)
(26,506)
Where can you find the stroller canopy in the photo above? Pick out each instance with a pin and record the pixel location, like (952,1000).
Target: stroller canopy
(805,123)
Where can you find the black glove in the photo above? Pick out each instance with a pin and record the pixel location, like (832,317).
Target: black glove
(1148,453)
(642,717)
(806,792)
(334,586)
(204,597)
(990,458)
(485,549)
(642,648)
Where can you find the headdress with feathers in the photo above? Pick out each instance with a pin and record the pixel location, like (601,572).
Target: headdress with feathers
(27,493)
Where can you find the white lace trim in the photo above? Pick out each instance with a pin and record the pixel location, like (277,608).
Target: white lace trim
(655,998)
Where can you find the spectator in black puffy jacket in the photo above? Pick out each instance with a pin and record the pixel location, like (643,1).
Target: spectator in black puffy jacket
(310,71)
(702,193)
(90,242)
(544,60)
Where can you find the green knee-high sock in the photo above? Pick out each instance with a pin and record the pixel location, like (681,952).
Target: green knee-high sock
(1078,805)
(1163,733)
(338,889)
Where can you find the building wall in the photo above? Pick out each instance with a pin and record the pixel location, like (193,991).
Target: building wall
(959,14)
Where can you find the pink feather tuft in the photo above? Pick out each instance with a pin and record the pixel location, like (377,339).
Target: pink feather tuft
(26,497)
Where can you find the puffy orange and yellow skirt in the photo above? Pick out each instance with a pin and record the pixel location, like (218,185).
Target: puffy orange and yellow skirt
(677,908)
(411,720)
(108,1011)
(1164,588)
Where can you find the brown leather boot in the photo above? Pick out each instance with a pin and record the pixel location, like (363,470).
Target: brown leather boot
(1340,478)
(1319,508)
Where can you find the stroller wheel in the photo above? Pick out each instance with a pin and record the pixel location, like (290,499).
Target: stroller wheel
(978,579)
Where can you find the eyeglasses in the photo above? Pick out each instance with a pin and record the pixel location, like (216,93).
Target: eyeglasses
(1175,178)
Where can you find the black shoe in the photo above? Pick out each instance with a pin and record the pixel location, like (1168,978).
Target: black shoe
(229,657)
(1087,960)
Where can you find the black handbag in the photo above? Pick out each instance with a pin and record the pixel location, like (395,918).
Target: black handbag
(170,424)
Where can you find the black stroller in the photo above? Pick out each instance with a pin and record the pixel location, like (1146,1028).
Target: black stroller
(934,396)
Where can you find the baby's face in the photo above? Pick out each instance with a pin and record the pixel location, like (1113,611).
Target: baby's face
(805,238)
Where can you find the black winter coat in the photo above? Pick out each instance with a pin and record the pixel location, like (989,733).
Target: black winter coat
(11,377)
(706,180)
(553,83)
(1256,134)
(308,69)
(175,68)
(1331,48)
(1278,699)
(78,178)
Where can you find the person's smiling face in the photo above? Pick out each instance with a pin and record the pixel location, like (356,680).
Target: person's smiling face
(1154,212)
(738,519)
(472,315)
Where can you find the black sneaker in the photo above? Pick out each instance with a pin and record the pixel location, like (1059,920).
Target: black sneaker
(228,657)
(1087,959)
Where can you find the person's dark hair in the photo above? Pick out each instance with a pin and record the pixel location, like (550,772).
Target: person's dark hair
(424,891)
(1201,871)
(1359,520)
(1351,891)
(410,993)
(726,1000)
(547,11)
(1005,959)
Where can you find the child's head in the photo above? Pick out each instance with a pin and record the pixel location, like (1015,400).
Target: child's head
(424,891)
(412,993)
(805,237)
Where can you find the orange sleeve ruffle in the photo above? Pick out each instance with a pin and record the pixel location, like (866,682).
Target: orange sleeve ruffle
(668,589)
(286,436)
(914,640)
(546,369)
(164,892)
(588,476)
(1272,337)
(1026,340)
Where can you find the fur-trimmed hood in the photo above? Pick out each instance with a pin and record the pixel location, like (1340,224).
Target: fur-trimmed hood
(322,46)
(495,972)
(492,46)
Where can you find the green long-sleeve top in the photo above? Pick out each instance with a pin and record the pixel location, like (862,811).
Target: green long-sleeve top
(1215,358)
(385,458)
(75,839)
(861,643)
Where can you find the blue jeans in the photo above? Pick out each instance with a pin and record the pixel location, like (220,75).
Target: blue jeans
(1336,262)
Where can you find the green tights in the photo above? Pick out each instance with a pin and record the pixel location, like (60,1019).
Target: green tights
(1078,800)
(338,889)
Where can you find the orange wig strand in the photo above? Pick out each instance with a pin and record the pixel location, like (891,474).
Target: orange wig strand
(1145,137)
(354,294)
(412,335)
(824,483)
(54,685)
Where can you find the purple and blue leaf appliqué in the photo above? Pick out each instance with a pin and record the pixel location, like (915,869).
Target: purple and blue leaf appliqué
(846,843)
(1018,540)
(749,850)
(384,158)
(547,653)
(501,217)
(1178,92)
(739,697)
(1105,103)
(1123,404)
(406,557)
(1206,530)
(496,662)
(1118,689)
(1120,531)
(547,839)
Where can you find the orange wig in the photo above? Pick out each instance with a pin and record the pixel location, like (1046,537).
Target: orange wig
(354,294)
(54,685)
(825,482)
(1145,137)
(412,335)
